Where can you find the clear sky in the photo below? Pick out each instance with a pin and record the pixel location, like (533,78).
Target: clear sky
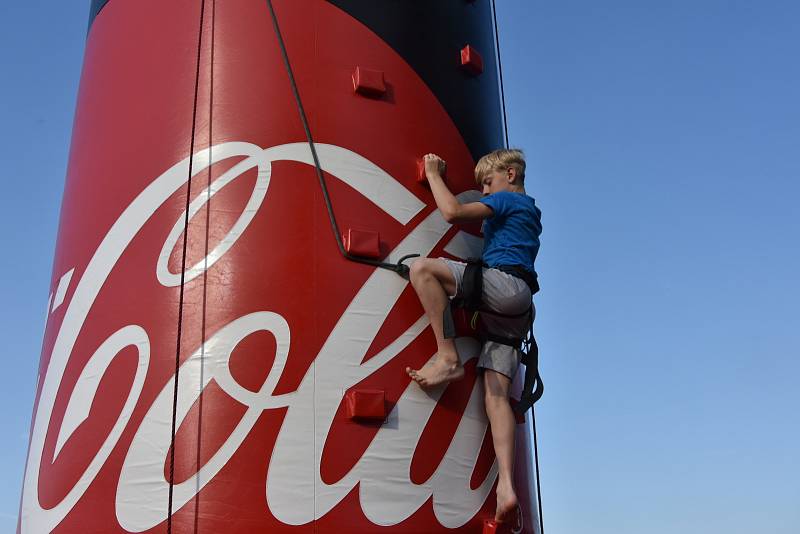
(662,140)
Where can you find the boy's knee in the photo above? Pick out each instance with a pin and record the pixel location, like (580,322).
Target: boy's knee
(420,267)
(495,386)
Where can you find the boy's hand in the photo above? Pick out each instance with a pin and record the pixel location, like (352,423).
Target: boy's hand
(434,166)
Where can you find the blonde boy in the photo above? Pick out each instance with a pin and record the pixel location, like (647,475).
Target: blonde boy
(512,225)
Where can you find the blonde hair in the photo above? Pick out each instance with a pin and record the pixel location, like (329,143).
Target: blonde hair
(501,160)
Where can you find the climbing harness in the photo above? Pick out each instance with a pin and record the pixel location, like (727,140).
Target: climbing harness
(471,302)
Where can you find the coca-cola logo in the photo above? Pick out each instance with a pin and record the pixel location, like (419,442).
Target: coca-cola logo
(387,494)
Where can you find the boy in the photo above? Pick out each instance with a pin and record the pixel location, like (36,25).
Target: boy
(511,241)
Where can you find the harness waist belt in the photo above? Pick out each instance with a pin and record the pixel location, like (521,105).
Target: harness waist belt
(518,271)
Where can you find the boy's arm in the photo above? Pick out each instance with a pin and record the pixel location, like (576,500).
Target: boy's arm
(452,210)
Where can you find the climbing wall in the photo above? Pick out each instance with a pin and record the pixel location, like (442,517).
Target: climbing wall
(211,361)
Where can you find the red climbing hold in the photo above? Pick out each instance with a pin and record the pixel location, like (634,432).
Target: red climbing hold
(369,82)
(471,60)
(366,404)
(365,243)
(421,178)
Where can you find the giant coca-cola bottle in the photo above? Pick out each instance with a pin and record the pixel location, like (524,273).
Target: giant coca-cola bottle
(212,362)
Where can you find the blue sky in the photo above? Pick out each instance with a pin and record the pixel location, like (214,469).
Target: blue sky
(662,143)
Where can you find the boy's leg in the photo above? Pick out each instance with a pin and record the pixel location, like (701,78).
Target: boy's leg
(433,283)
(503,427)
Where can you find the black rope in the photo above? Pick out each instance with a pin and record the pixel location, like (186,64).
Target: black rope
(398,267)
(183,275)
(198,457)
(505,130)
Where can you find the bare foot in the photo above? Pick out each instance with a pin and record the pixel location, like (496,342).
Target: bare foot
(437,371)
(507,506)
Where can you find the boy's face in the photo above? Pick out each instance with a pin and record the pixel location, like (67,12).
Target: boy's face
(496,181)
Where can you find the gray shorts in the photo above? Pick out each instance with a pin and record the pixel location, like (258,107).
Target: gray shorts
(505,294)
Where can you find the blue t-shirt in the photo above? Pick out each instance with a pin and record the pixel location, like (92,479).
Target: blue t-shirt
(511,235)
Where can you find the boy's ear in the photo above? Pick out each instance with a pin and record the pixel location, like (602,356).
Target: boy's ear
(511,174)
